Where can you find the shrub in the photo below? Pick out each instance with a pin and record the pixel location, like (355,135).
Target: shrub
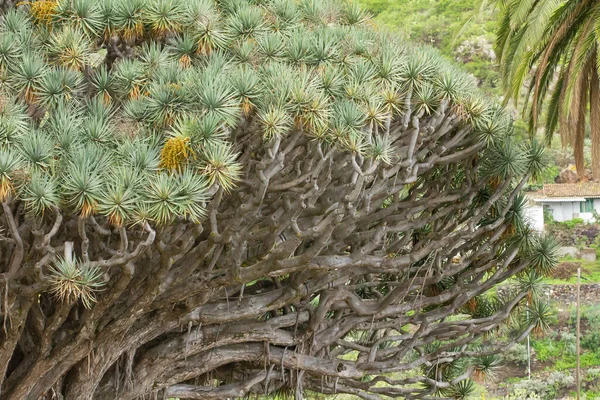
(546,388)
(522,394)
(517,353)
(573,223)
(593,375)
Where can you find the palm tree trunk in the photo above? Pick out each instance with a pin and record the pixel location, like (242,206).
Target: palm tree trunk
(595,121)
(578,111)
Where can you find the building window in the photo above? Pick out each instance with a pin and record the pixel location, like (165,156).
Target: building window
(587,206)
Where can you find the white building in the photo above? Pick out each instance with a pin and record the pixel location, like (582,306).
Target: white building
(565,201)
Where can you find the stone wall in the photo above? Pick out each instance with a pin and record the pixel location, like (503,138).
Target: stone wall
(567,294)
(573,237)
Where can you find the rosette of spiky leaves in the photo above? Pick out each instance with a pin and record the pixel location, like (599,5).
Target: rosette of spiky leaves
(324,48)
(492,125)
(97,130)
(136,110)
(10,162)
(246,86)
(14,121)
(164,16)
(41,193)
(461,390)
(201,131)
(297,49)
(72,281)
(119,200)
(27,75)
(82,180)
(243,52)
(487,367)
(163,198)
(183,49)
(165,103)
(70,48)
(204,20)
(451,83)
(82,15)
(219,165)
(287,15)
(141,155)
(130,77)
(354,14)
(442,370)
(275,122)
(192,192)
(217,99)
(471,108)
(37,150)
(540,315)
(381,150)
(270,46)
(483,306)
(537,158)
(107,10)
(10,51)
(531,282)
(104,84)
(153,57)
(59,86)
(64,126)
(516,216)
(426,99)
(505,160)
(331,80)
(129,18)
(544,255)
(246,23)
(417,67)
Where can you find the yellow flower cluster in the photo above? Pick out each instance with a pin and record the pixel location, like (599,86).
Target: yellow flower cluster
(43,10)
(175,153)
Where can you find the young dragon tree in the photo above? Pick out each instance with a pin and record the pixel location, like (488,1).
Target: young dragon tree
(206,200)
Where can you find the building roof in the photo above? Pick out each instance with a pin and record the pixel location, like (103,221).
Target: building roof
(560,190)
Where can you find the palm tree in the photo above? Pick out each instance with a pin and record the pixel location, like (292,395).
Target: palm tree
(557,42)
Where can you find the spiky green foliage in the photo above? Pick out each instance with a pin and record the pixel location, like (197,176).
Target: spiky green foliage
(461,391)
(337,92)
(72,281)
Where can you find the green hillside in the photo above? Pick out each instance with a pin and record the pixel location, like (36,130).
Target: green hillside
(456,27)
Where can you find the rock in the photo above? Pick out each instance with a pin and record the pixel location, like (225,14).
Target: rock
(567,175)
(588,254)
(571,251)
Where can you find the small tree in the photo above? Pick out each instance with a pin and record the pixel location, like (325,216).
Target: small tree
(206,200)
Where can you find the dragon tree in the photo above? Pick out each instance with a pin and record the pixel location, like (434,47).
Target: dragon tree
(213,199)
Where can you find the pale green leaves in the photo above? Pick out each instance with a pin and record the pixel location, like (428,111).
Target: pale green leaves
(72,281)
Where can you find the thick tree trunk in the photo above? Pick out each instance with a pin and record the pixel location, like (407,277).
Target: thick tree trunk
(595,122)
(317,254)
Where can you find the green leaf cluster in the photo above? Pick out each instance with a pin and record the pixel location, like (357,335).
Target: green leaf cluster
(145,136)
